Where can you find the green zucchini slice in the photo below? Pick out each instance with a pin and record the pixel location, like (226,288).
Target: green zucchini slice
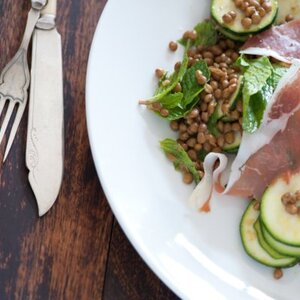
(283,226)
(252,245)
(231,35)
(278,246)
(263,242)
(221,7)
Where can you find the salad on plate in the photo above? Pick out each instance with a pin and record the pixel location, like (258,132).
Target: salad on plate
(234,102)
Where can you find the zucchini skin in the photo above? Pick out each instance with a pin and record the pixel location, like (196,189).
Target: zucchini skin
(271,206)
(267,247)
(231,35)
(278,246)
(282,263)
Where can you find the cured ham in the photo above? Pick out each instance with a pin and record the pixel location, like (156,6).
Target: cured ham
(272,150)
(281,42)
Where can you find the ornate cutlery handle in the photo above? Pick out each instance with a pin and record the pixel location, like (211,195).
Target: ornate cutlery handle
(38,4)
(50,8)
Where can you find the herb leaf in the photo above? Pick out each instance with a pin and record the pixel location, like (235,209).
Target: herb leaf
(256,90)
(180,104)
(190,86)
(174,78)
(171,100)
(260,81)
(181,158)
(207,34)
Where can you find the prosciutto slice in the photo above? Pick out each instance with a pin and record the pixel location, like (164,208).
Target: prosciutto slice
(272,150)
(281,42)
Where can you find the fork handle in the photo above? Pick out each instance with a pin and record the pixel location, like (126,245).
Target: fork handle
(50,8)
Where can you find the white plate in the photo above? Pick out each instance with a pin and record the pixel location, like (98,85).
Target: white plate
(198,256)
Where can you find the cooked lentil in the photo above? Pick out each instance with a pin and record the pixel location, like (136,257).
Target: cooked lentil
(159,73)
(289,18)
(291,202)
(278,273)
(193,132)
(253,12)
(201,79)
(227,18)
(187,178)
(173,46)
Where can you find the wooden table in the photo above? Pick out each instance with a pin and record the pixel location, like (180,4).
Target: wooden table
(77,251)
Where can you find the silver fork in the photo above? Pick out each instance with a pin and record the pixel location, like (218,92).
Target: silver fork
(15,79)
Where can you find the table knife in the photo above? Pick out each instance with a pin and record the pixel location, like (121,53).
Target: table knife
(45,134)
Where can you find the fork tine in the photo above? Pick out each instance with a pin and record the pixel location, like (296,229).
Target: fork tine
(7,117)
(14,129)
(2,104)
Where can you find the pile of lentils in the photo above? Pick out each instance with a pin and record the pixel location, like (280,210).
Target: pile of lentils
(291,202)
(193,134)
(253,12)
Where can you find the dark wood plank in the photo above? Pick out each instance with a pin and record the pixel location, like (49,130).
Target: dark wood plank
(127,276)
(63,255)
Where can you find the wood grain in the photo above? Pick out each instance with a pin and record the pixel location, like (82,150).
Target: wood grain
(128,277)
(64,255)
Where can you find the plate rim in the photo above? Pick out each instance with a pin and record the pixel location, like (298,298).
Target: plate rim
(146,257)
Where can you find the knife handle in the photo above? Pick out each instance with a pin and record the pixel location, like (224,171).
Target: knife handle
(50,8)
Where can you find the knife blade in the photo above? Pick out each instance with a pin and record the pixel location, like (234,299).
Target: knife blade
(45,134)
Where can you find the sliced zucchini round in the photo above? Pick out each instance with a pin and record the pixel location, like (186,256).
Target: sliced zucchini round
(278,246)
(231,35)
(283,226)
(263,242)
(221,7)
(252,245)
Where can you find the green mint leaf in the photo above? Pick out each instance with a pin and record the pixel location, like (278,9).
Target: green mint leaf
(257,105)
(181,158)
(255,91)
(174,78)
(190,86)
(180,104)
(207,34)
(171,100)
(202,154)
(278,72)
(242,62)
(213,120)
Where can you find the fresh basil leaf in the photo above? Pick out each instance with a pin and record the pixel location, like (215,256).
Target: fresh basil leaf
(190,85)
(181,158)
